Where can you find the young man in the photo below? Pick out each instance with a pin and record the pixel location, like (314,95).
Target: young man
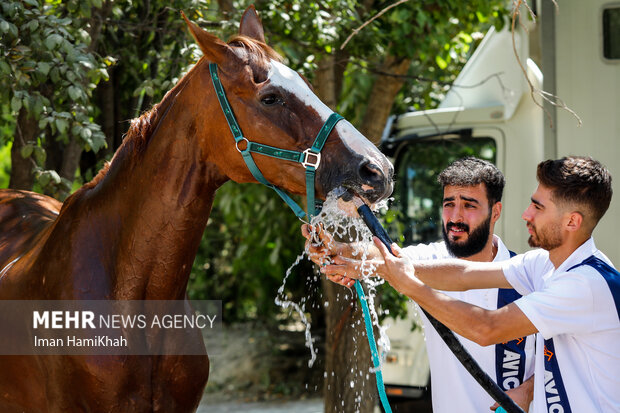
(472,192)
(571,292)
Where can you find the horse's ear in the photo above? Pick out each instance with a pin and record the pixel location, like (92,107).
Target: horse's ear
(251,25)
(214,49)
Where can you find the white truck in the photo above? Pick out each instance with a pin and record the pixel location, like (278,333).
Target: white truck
(573,53)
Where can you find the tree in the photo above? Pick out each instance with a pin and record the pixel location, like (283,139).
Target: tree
(48,72)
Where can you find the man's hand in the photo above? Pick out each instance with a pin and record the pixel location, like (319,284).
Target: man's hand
(321,246)
(336,258)
(521,395)
(397,270)
(345,271)
(317,242)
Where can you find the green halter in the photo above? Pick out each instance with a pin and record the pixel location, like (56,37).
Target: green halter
(310,158)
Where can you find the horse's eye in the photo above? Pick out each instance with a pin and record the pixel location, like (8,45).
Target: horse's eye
(271,99)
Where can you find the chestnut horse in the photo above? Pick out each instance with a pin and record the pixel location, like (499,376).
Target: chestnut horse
(133,231)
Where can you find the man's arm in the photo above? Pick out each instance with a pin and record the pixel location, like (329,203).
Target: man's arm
(460,275)
(482,326)
(444,274)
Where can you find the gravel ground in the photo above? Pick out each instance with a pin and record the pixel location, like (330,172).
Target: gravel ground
(252,365)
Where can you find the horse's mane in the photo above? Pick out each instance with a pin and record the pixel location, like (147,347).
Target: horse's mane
(141,129)
(256,49)
(136,137)
(258,55)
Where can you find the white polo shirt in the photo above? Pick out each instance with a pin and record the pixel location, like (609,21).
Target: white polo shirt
(575,309)
(453,387)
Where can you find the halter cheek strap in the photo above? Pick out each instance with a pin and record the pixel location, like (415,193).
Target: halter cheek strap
(310,158)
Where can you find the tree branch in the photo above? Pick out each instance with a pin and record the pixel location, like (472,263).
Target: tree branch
(376,16)
(546,96)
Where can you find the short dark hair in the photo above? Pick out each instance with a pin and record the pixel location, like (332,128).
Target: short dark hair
(471,171)
(578,180)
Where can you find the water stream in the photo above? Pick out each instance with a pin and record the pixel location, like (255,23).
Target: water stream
(340,219)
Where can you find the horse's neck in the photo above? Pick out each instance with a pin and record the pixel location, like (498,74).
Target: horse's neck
(153,205)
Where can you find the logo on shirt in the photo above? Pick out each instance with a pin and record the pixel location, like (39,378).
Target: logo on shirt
(512,367)
(509,356)
(555,393)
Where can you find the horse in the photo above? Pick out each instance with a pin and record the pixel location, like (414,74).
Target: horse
(132,232)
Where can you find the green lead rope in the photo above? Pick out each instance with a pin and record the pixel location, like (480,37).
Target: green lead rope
(373,347)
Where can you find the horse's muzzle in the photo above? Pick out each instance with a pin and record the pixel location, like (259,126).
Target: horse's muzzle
(375,182)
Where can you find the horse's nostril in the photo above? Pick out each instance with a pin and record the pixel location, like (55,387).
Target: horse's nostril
(371,174)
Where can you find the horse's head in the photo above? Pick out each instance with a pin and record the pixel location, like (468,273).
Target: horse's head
(275,106)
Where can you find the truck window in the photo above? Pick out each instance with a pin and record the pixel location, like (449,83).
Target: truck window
(611,32)
(417,194)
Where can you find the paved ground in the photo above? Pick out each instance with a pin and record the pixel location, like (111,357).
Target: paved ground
(302,406)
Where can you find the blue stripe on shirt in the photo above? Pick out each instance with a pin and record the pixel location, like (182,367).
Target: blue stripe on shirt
(509,356)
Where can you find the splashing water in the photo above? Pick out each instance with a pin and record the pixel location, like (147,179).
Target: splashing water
(341,220)
(285,303)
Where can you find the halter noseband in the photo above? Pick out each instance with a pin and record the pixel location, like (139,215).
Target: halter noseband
(310,158)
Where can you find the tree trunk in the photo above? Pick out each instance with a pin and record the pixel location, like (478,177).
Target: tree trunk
(325,81)
(70,162)
(382,96)
(349,385)
(226,6)
(99,16)
(72,152)
(27,131)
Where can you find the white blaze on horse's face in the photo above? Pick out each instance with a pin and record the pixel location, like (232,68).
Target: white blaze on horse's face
(288,79)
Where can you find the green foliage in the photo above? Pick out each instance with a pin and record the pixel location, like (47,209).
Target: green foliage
(7,123)
(151,48)
(47,69)
(437,35)
(5,165)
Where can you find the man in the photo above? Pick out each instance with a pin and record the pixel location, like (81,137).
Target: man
(571,292)
(472,192)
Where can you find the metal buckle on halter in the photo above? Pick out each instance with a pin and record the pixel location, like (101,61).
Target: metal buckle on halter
(247,144)
(306,163)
